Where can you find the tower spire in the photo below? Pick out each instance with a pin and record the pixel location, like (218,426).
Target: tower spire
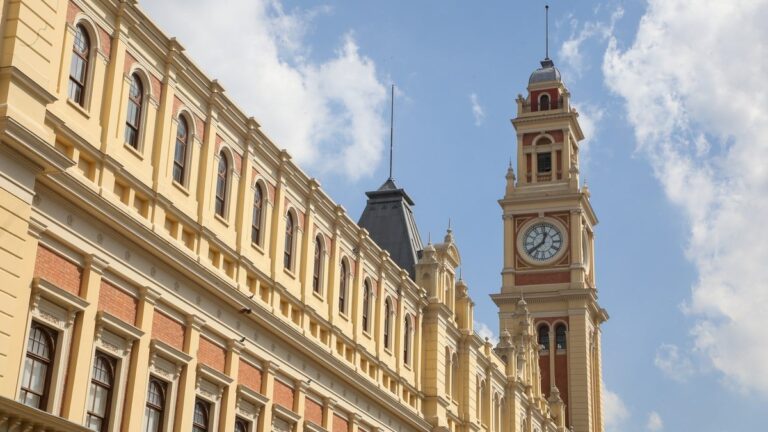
(391,128)
(546,27)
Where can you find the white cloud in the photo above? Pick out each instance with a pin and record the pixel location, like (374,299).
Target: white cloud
(486,332)
(328,113)
(697,102)
(673,363)
(614,410)
(477,109)
(571,50)
(654,423)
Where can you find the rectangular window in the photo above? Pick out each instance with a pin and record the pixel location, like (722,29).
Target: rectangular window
(544,163)
(38,365)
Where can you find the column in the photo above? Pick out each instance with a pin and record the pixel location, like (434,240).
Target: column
(79,369)
(330,405)
(136,390)
(185,401)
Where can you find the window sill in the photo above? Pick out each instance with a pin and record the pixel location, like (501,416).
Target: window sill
(318,295)
(78,108)
(258,248)
(387,350)
(407,366)
(367,334)
(344,315)
(135,152)
(289,272)
(180,187)
(220,219)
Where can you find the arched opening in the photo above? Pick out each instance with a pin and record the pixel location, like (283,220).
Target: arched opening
(366,306)
(560,337)
(387,323)
(222,178)
(407,326)
(134,112)
(200,422)
(343,281)
(544,102)
(289,234)
(35,383)
(180,151)
(79,66)
(100,393)
(258,206)
(317,268)
(155,408)
(544,336)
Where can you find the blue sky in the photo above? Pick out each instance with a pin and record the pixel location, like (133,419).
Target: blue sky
(671,97)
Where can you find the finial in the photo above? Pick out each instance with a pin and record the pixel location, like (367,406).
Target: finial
(510,162)
(429,237)
(461,272)
(391,128)
(546,19)
(449,223)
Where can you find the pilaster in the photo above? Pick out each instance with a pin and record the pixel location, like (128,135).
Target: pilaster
(185,402)
(79,370)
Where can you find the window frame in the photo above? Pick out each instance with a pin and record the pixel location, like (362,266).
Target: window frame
(140,103)
(564,335)
(222,185)
(542,339)
(52,337)
(388,312)
(367,296)
(198,427)
(160,409)
(542,97)
(317,265)
(112,365)
(407,339)
(181,166)
(343,286)
(289,237)
(256,225)
(88,60)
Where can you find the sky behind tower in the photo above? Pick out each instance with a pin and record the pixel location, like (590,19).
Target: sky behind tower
(671,100)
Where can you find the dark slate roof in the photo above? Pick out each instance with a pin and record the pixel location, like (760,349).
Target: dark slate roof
(390,223)
(547,72)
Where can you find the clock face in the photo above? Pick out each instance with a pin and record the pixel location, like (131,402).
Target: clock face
(542,241)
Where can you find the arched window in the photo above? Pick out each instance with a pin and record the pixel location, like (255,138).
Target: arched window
(448,372)
(288,253)
(544,336)
(387,323)
(258,205)
(200,419)
(481,401)
(133,116)
(78,67)
(41,347)
(343,276)
(367,306)
(180,151)
(318,265)
(544,102)
(221,184)
(407,340)
(100,394)
(155,408)
(560,339)
(496,413)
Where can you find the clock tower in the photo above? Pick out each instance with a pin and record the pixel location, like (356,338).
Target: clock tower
(548,248)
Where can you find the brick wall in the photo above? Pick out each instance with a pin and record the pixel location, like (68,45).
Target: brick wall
(249,376)
(117,302)
(58,270)
(340,424)
(313,412)
(211,354)
(283,395)
(168,330)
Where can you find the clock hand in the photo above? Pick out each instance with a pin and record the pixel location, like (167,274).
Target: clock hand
(537,246)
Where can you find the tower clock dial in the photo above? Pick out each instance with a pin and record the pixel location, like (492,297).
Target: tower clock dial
(542,241)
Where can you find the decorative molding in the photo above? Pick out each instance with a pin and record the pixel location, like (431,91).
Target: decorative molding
(105,320)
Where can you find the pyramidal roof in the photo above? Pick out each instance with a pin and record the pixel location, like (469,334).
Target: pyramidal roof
(388,217)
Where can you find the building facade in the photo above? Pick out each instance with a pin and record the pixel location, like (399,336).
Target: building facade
(165,267)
